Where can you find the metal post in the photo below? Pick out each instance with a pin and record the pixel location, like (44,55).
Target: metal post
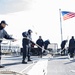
(1,66)
(10,45)
(61,25)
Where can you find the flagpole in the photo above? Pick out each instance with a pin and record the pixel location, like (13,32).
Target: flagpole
(61,26)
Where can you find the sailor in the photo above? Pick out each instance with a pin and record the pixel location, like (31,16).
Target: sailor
(71,47)
(40,42)
(4,34)
(26,43)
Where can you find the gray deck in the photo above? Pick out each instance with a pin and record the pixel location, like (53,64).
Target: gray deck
(61,65)
(14,64)
(58,65)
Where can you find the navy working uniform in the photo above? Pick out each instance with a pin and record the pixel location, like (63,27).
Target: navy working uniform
(71,47)
(3,34)
(46,43)
(40,43)
(26,43)
(63,43)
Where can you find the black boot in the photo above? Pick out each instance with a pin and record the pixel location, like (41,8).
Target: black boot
(29,58)
(1,66)
(24,62)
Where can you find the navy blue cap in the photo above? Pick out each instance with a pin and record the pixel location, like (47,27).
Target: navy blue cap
(4,22)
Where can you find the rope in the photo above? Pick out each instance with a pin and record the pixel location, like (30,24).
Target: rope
(33,42)
(19,39)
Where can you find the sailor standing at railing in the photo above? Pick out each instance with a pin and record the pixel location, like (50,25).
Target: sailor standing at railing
(4,34)
(40,42)
(26,43)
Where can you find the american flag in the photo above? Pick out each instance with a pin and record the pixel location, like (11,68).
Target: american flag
(67,15)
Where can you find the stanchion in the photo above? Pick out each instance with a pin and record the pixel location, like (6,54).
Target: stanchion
(1,66)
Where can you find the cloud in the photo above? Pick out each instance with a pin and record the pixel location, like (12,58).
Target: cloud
(11,6)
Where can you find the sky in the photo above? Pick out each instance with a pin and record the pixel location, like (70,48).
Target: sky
(42,16)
